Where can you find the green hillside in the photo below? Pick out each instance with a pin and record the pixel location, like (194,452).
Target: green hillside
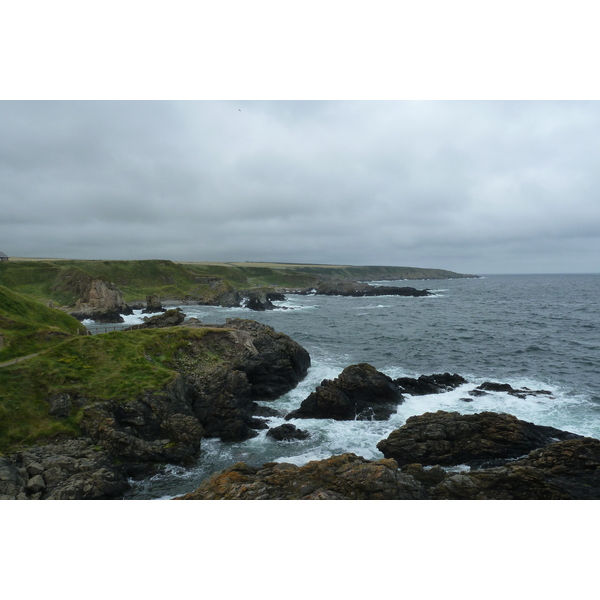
(27,326)
(62,281)
(113,366)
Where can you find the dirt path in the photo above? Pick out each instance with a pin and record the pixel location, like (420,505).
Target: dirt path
(19,359)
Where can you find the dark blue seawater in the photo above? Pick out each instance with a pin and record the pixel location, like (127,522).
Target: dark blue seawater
(535,331)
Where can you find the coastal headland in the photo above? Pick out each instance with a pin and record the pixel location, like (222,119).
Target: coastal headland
(82,415)
(103,290)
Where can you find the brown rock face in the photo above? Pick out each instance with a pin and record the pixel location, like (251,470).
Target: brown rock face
(482,439)
(567,470)
(344,477)
(73,470)
(101,301)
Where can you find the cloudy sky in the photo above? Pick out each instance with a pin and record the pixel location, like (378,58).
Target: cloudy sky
(474,187)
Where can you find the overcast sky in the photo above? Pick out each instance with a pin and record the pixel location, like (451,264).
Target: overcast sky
(474,187)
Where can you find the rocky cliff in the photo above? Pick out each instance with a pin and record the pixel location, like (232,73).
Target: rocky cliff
(219,374)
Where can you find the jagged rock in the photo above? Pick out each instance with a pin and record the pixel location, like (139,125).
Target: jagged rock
(344,477)
(205,401)
(169,318)
(359,392)
(258,301)
(12,482)
(482,439)
(429,384)
(101,301)
(562,470)
(74,469)
(277,363)
(62,404)
(287,432)
(220,293)
(153,304)
(489,386)
(566,470)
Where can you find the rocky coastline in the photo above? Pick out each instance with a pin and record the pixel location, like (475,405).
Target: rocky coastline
(221,377)
(102,301)
(433,456)
(134,437)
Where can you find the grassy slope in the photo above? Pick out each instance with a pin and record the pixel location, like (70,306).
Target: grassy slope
(28,327)
(60,280)
(117,365)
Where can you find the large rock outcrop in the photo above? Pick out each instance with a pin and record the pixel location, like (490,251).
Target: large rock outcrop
(72,470)
(169,318)
(101,301)
(208,399)
(359,392)
(344,477)
(481,439)
(275,365)
(429,384)
(567,470)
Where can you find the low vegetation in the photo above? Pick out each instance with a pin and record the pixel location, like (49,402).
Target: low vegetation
(61,281)
(27,327)
(112,366)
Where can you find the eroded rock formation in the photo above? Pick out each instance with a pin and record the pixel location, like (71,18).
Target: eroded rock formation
(481,439)
(344,477)
(102,302)
(359,392)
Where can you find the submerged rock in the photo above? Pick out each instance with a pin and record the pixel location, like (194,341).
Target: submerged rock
(429,384)
(489,386)
(287,432)
(482,439)
(359,392)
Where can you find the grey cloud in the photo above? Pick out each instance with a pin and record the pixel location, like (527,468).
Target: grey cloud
(469,186)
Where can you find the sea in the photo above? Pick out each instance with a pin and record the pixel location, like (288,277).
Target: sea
(540,332)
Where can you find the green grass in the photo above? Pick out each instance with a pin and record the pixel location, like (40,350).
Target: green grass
(28,327)
(113,366)
(63,281)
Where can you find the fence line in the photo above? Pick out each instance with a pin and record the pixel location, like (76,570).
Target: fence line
(107,328)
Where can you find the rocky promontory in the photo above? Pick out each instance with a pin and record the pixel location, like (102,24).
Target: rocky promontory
(217,375)
(481,439)
(359,392)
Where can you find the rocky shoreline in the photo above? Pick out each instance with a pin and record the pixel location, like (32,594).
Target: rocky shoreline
(441,455)
(102,301)
(134,437)
(433,456)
